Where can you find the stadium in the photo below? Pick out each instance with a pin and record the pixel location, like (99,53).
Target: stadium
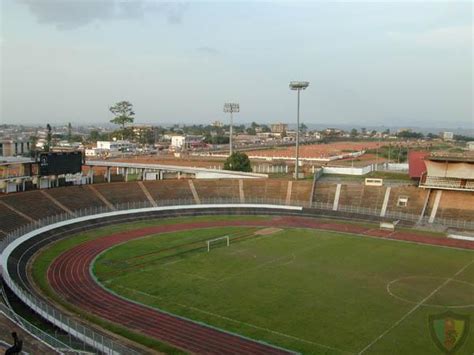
(241,263)
(236,177)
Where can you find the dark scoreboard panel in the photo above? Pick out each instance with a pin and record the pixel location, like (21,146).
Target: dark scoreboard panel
(59,163)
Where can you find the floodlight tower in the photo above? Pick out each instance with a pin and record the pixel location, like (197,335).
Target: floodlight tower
(298,86)
(231,108)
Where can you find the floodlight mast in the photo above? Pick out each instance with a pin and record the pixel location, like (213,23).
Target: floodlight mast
(298,86)
(231,108)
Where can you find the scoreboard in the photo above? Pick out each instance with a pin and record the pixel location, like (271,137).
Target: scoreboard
(60,163)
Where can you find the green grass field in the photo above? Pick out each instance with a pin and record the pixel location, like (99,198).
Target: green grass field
(305,290)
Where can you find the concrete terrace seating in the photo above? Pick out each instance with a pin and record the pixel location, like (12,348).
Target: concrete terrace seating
(35,205)
(121,192)
(10,220)
(169,189)
(324,192)
(372,196)
(301,191)
(32,203)
(351,195)
(77,197)
(416,199)
(224,188)
(456,205)
(269,189)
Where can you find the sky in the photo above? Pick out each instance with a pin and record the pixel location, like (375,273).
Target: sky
(405,63)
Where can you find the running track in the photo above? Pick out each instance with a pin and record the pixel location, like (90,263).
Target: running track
(69,275)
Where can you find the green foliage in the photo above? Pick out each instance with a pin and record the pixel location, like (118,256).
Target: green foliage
(95,136)
(49,138)
(410,135)
(123,112)
(396,153)
(216,139)
(459,137)
(238,162)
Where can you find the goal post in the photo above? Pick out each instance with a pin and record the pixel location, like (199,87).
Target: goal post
(216,240)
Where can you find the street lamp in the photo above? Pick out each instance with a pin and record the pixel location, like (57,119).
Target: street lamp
(231,108)
(298,86)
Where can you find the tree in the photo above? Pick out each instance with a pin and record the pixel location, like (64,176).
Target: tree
(303,127)
(238,162)
(123,112)
(251,131)
(354,133)
(48,138)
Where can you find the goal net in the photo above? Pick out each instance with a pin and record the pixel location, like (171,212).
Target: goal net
(225,240)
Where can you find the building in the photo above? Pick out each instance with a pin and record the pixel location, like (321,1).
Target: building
(279,127)
(448,136)
(470,146)
(217,124)
(186,142)
(449,172)
(12,148)
(116,146)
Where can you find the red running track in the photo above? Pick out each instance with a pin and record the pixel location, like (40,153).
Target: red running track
(69,275)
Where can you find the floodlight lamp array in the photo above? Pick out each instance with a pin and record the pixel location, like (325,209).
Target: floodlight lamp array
(299,85)
(231,107)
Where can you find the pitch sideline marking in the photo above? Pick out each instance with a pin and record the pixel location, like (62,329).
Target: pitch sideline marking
(238,322)
(418,305)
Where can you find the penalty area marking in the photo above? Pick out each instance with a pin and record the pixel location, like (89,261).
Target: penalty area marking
(418,305)
(394,295)
(238,322)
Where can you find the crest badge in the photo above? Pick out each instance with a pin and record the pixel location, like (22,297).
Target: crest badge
(449,330)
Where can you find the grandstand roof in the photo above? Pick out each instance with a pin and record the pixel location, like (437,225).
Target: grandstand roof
(416,164)
(15,160)
(463,157)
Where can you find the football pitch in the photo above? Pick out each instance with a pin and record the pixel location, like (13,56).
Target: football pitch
(309,291)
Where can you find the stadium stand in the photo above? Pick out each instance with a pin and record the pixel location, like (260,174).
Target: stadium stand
(121,192)
(224,188)
(271,189)
(456,205)
(32,204)
(413,196)
(31,345)
(74,198)
(351,195)
(17,209)
(372,196)
(169,189)
(324,192)
(301,191)
(10,219)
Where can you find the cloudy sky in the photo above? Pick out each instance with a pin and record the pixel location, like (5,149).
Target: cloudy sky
(369,63)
